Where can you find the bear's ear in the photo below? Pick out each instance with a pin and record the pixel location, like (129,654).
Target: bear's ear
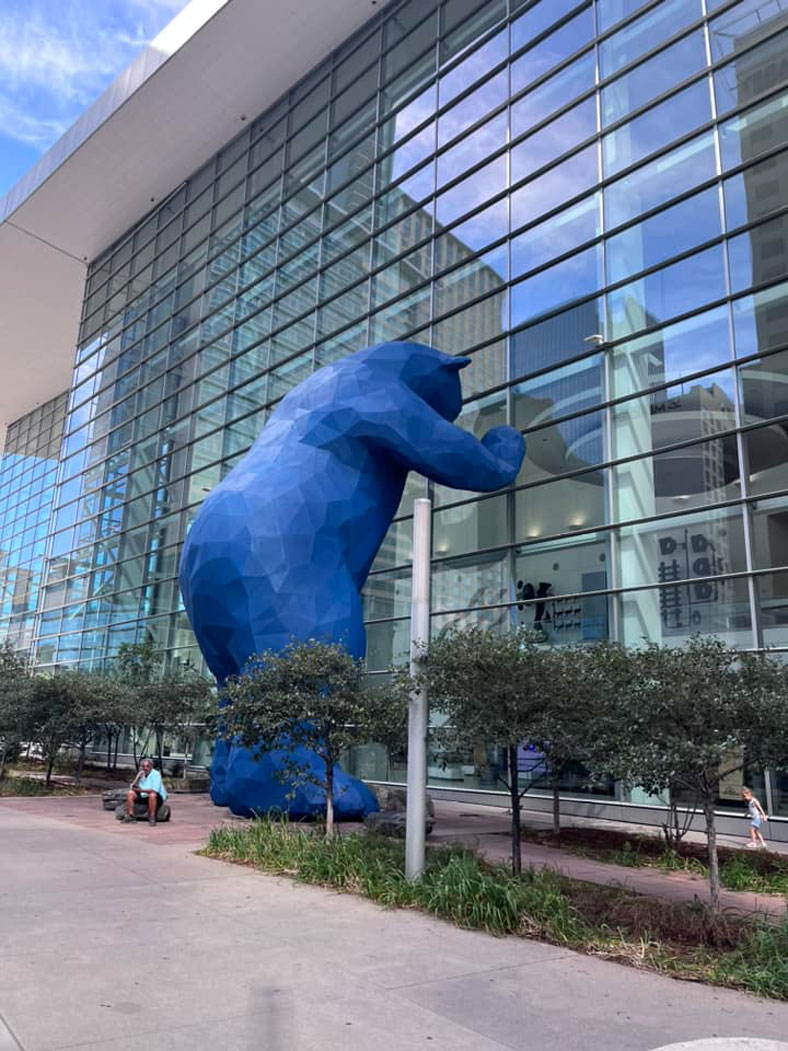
(455,364)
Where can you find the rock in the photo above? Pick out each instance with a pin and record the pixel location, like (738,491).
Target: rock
(392,823)
(393,799)
(141,812)
(113,797)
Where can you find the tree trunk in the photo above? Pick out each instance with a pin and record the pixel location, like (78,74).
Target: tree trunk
(115,753)
(3,751)
(714,867)
(81,761)
(159,750)
(556,806)
(329,798)
(514,793)
(50,765)
(109,749)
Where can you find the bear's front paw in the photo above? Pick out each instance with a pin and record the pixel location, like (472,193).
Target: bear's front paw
(507,446)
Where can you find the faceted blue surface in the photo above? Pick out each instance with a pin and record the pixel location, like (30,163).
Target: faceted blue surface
(282,547)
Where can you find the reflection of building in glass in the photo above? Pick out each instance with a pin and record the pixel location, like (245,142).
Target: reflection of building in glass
(28,469)
(598,221)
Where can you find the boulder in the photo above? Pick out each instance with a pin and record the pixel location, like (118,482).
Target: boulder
(113,797)
(393,799)
(141,812)
(392,823)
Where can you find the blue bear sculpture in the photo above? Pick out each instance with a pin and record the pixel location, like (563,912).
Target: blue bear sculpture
(282,547)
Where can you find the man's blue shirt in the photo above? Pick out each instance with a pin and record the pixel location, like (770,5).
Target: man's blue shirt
(152,783)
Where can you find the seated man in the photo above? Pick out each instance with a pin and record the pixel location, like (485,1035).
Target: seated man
(147,786)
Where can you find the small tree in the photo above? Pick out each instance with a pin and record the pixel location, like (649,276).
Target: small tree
(310,694)
(160,698)
(53,721)
(178,702)
(14,700)
(490,687)
(691,718)
(573,676)
(96,699)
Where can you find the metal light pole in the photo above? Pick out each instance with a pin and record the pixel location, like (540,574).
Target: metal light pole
(417,710)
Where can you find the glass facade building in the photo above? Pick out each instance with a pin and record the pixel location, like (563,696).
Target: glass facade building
(591,200)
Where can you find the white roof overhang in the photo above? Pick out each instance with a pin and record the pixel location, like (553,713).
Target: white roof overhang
(178,103)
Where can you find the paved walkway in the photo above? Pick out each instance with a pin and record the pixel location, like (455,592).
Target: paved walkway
(118,938)
(485,828)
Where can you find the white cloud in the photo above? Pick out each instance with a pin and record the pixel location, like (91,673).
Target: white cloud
(57,56)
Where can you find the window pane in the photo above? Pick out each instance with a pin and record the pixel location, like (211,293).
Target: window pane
(553,94)
(663,355)
(757,191)
(653,77)
(553,140)
(656,127)
(551,50)
(645,33)
(767,458)
(561,183)
(580,275)
(674,290)
(759,255)
(665,234)
(760,129)
(760,321)
(764,387)
(556,236)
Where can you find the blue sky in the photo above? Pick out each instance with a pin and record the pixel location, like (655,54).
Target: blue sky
(56,57)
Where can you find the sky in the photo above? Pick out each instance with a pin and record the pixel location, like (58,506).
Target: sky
(56,57)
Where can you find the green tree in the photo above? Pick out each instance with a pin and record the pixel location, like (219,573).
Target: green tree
(690,718)
(310,694)
(96,699)
(490,687)
(15,684)
(53,721)
(161,698)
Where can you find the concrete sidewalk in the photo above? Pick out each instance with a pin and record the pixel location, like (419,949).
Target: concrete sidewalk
(484,828)
(118,937)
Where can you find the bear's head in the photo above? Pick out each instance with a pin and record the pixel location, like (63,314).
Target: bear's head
(434,376)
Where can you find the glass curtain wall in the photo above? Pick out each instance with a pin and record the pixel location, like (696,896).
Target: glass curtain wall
(589,199)
(28,470)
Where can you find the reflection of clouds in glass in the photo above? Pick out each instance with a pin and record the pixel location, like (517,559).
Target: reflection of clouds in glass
(479,230)
(657,127)
(472,192)
(553,94)
(486,97)
(574,277)
(537,18)
(410,153)
(661,179)
(554,139)
(552,50)
(472,68)
(484,141)
(561,183)
(556,236)
(410,116)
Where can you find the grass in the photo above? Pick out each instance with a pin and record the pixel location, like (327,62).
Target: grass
(761,872)
(30,786)
(457,885)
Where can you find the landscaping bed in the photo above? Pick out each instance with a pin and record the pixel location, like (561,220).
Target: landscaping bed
(459,886)
(16,785)
(759,871)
